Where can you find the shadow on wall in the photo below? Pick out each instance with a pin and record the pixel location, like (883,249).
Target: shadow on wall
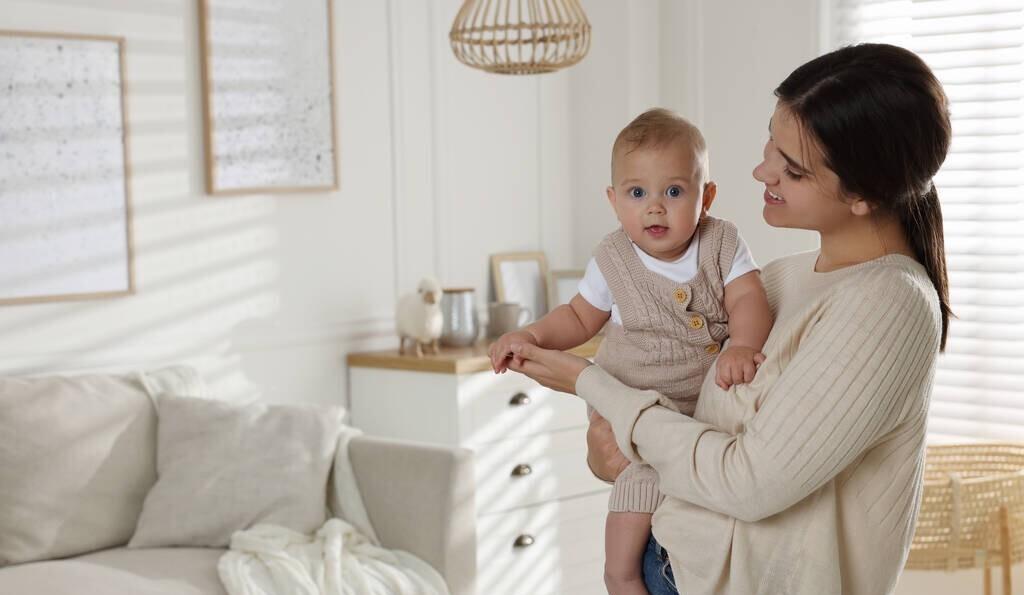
(203,266)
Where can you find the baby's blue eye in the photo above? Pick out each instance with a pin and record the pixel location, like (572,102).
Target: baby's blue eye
(674,191)
(637,192)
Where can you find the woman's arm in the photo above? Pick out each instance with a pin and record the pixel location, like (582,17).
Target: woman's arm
(856,374)
(849,383)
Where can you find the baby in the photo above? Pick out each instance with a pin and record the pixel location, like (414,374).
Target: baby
(675,283)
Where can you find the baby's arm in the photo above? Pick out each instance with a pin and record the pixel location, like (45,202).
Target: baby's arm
(564,327)
(750,321)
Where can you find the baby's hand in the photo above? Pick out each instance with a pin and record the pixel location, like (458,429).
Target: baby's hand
(501,350)
(737,365)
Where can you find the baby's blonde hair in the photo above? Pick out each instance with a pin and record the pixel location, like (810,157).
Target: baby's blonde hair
(658,127)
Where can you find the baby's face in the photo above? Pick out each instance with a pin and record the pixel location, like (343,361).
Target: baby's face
(658,197)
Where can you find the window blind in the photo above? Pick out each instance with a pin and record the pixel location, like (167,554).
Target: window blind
(976,48)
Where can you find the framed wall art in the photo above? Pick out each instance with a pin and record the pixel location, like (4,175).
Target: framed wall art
(563,285)
(268,100)
(521,278)
(65,206)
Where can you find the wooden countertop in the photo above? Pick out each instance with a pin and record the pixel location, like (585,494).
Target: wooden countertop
(451,360)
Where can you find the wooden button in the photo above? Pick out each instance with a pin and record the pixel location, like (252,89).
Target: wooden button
(681,295)
(696,323)
(712,349)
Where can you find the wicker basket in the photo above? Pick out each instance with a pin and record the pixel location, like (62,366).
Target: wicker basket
(972,511)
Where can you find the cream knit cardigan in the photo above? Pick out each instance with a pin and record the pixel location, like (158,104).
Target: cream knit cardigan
(808,479)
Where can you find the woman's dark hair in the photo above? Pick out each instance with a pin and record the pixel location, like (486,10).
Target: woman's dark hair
(881,120)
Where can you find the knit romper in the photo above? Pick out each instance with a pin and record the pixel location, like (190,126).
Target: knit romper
(670,336)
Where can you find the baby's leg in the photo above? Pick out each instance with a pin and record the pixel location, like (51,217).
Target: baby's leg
(625,539)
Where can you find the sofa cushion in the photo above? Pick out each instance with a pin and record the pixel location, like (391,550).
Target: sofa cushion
(225,467)
(170,571)
(77,457)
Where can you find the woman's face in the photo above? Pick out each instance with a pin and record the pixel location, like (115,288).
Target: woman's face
(800,191)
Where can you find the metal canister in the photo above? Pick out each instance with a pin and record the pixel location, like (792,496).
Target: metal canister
(458,307)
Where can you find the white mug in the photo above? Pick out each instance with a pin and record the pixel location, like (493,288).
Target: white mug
(504,317)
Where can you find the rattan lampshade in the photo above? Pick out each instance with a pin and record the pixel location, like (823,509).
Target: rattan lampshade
(520,36)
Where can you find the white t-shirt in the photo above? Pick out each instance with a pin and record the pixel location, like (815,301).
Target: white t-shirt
(594,288)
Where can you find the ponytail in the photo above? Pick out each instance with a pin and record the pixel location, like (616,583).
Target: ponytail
(922,223)
(881,120)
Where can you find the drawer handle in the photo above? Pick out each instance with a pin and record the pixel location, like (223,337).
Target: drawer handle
(519,399)
(521,470)
(523,540)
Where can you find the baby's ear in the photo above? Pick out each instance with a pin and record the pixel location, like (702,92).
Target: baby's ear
(710,191)
(610,192)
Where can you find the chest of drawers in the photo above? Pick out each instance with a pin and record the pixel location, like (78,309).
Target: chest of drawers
(540,513)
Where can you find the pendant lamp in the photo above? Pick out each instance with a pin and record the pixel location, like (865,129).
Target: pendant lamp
(520,36)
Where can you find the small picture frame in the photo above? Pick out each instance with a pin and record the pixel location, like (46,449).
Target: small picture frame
(563,285)
(521,277)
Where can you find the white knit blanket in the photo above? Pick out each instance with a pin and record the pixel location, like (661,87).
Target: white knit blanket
(338,560)
(270,560)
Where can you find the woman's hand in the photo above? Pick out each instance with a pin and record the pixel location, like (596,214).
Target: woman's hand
(552,368)
(603,455)
(500,351)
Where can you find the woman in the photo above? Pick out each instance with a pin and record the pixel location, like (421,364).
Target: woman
(807,480)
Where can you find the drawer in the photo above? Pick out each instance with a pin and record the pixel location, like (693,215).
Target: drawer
(565,550)
(525,471)
(500,406)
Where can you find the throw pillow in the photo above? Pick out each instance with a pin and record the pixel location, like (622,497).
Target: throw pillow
(77,457)
(224,467)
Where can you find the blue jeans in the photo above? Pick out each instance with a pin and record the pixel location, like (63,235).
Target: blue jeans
(657,571)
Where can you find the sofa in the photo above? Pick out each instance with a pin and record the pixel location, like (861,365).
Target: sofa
(79,459)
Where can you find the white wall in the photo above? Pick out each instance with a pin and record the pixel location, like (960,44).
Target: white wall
(617,80)
(716,63)
(270,291)
(256,290)
(441,166)
(748,49)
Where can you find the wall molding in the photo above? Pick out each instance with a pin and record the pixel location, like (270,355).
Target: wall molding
(681,45)
(414,190)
